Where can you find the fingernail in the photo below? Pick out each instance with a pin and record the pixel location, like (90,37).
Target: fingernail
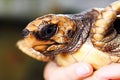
(83,70)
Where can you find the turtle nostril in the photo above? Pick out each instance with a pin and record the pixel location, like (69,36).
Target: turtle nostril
(25,32)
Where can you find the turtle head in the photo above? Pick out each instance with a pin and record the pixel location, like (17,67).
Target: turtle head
(49,33)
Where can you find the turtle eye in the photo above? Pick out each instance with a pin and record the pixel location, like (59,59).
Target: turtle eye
(47,32)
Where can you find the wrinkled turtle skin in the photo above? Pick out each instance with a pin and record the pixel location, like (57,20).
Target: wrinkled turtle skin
(92,36)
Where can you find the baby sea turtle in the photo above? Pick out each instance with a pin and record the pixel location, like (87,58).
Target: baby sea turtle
(92,36)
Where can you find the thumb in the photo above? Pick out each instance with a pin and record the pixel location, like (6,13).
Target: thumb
(73,72)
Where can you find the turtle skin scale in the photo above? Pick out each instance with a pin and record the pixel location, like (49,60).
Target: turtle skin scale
(91,36)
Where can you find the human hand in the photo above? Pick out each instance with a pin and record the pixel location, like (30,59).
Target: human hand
(81,71)
(73,72)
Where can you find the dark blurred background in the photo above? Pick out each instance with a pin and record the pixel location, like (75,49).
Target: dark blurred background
(14,16)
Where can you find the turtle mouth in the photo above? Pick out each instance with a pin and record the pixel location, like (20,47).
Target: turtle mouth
(49,49)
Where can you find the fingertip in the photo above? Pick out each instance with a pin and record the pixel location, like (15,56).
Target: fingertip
(84,69)
(79,70)
(87,69)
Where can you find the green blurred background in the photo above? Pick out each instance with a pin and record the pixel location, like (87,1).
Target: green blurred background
(14,16)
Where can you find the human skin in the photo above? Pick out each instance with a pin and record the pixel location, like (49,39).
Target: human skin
(81,71)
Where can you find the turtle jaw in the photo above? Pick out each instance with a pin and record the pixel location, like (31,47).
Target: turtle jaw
(42,46)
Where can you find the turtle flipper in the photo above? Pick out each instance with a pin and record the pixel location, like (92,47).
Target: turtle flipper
(103,35)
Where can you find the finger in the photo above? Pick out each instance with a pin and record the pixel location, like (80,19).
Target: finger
(109,72)
(72,72)
(51,67)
